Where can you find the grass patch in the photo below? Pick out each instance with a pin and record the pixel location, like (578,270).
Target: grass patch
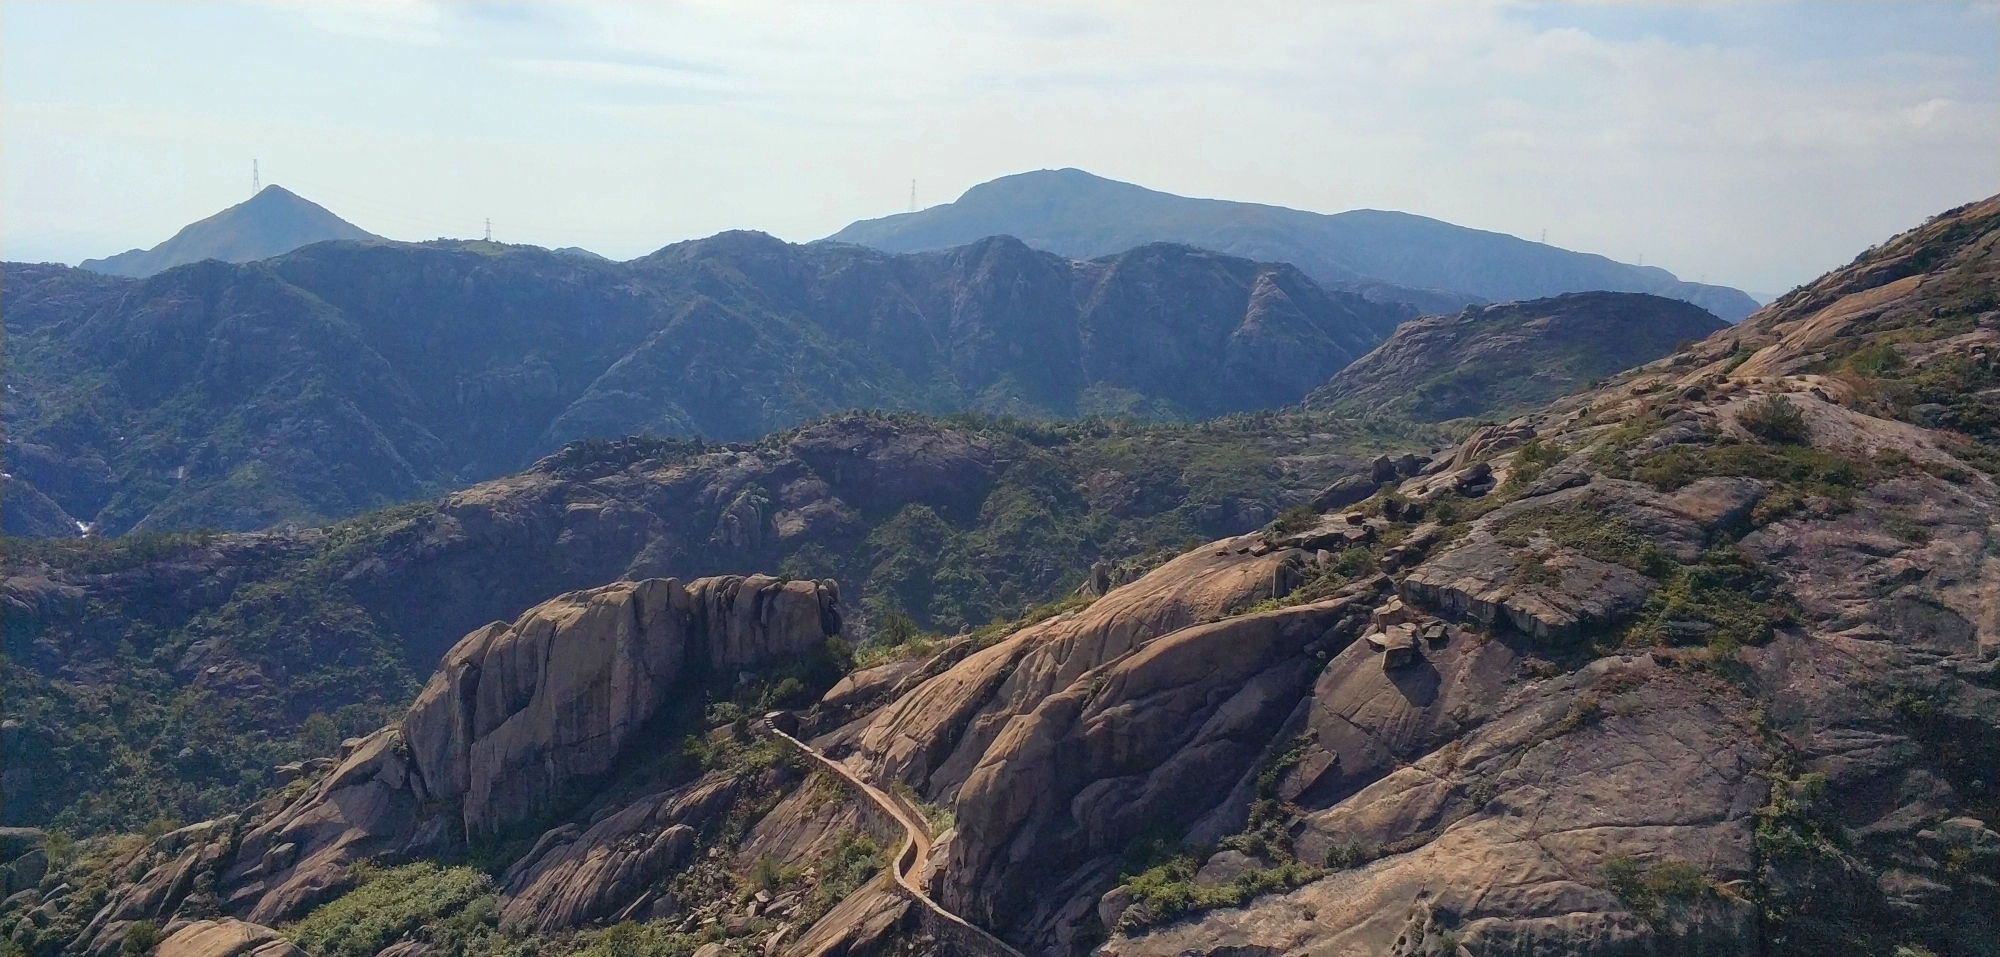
(1161,878)
(450,908)
(1654,891)
(1722,601)
(1589,531)
(1796,476)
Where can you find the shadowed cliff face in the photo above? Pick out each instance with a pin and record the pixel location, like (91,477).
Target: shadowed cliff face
(347,376)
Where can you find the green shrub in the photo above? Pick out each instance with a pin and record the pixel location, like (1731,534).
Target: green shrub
(447,907)
(633,939)
(1651,891)
(1298,518)
(1874,361)
(141,938)
(1796,821)
(1722,601)
(856,858)
(1792,473)
(1590,531)
(1776,419)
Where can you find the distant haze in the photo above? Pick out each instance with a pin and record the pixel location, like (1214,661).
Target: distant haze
(1752,146)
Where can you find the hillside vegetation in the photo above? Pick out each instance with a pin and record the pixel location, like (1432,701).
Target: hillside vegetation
(167,673)
(349,376)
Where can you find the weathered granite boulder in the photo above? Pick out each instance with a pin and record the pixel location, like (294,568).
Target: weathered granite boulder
(518,710)
(572,876)
(1345,492)
(226,938)
(1481,581)
(517,715)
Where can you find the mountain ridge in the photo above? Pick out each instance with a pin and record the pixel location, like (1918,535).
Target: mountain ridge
(343,376)
(1077,213)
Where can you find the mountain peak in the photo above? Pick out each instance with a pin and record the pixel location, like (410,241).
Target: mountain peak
(1075,213)
(273,222)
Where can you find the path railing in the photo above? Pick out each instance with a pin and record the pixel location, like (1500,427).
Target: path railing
(910,859)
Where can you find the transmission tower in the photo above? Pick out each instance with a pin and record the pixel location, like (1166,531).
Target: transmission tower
(489,229)
(913,196)
(256,181)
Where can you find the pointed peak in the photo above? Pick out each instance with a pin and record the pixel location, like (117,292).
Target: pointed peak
(273,222)
(274,191)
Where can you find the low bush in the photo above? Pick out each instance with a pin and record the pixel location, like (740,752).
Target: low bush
(450,908)
(1651,891)
(1776,419)
(1722,601)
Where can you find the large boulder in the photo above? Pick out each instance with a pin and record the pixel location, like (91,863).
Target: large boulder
(516,718)
(226,938)
(517,711)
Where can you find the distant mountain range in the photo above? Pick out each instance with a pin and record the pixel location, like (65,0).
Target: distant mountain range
(271,223)
(1440,266)
(346,376)
(1512,356)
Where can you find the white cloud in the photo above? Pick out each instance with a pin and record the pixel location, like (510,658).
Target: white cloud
(418,22)
(614,72)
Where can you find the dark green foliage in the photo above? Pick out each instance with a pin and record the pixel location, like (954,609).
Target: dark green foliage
(1591,531)
(342,377)
(450,908)
(140,740)
(855,859)
(634,939)
(1776,419)
(1722,601)
(1298,518)
(1874,361)
(336,627)
(141,938)
(1160,875)
(1654,891)
(1797,821)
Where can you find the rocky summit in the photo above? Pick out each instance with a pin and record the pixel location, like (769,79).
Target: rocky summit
(1701,660)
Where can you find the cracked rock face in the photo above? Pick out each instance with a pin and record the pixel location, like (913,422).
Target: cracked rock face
(520,709)
(518,714)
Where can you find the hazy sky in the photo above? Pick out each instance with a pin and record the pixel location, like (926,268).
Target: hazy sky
(1753,145)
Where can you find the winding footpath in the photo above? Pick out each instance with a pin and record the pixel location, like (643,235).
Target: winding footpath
(916,846)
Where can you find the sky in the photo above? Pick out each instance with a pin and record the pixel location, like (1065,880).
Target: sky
(1754,145)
